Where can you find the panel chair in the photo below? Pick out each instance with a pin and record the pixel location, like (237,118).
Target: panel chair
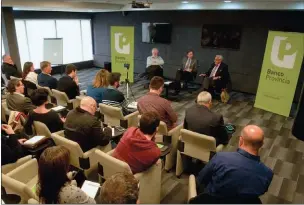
(195,145)
(11,166)
(114,116)
(149,180)
(85,161)
(62,99)
(22,180)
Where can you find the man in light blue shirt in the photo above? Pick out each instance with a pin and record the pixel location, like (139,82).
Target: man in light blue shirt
(154,64)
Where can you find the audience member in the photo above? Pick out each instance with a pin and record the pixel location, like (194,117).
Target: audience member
(69,83)
(44,78)
(240,173)
(54,186)
(84,128)
(120,188)
(47,116)
(137,146)
(153,102)
(11,145)
(100,83)
(29,73)
(211,124)
(9,68)
(154,64)
(15,100)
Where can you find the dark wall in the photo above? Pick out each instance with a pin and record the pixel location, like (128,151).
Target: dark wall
(244,64)
(51,15)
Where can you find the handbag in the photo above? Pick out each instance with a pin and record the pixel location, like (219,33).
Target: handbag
(225,96)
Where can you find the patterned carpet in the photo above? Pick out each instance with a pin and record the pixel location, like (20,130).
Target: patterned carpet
(281,151)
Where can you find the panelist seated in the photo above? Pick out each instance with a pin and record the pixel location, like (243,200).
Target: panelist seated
(238,174)
(69,83)
(83,127)
(217,76)
(210,124)
(44,78)
(9,68)
(16,100)
(154,65)
(137,146)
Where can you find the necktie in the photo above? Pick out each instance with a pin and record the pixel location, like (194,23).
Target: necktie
(213,71)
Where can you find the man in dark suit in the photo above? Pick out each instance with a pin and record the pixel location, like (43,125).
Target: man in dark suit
(44,78)
(199,118)
(9,68)
(217,76)
(69,83)
(188,70)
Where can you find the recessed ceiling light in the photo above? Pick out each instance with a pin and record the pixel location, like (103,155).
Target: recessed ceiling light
(227,1)
(185,2)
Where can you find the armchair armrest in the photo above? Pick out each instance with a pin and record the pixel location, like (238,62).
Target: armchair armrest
(26,172)
(192,187)
(9,167)
(176,130)
(91,155)
(220,147)
(60,133)
(132,119)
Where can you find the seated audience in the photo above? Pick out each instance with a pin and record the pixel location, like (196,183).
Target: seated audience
(29,73)
(199,118)
(54,185)
(47,116)
(69,83)
(120,188)
(187,72)
(44,78)
(100,83)
(9,68)
(154,65)
(137,146)
(217,77)
(11,145)
(238,174)
(153,102)
(15,100)
(84,128)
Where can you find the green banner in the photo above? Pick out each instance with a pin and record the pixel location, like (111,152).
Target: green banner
(122,51)
(280,72)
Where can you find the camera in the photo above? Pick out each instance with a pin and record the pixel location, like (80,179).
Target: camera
(127,66)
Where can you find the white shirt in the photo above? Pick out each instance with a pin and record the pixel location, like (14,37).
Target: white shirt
(151,60)
(32,77)
(214,70)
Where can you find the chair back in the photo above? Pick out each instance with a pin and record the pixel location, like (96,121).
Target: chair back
(13,77)
(110,165)
(74,148)
(11,166)
(30,87)
(76,102)
(61,97)
(112,115)
(197,145)
(4,112)
(41,129)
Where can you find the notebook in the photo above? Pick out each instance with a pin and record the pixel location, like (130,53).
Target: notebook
(167,82)
(34,141)
(90,188)
(132,105)
(58,108)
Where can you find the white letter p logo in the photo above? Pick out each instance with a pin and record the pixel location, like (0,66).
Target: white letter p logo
(125,49)
(282,53)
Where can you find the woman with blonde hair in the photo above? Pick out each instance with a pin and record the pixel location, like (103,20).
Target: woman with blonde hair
(99,85)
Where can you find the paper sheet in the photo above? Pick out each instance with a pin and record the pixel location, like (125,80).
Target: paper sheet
(167,82)
(133,105)
(58,108)
(33,140)
(90,188)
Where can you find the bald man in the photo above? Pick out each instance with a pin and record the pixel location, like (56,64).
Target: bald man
(238,174)
(9,68)
(84,128)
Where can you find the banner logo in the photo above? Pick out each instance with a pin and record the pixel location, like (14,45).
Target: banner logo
(283,53)
(121,44)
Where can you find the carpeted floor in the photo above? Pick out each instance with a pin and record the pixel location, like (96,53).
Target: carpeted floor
(281,151)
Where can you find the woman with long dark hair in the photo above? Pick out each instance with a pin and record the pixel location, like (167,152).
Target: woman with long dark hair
(28,73)
(54,185)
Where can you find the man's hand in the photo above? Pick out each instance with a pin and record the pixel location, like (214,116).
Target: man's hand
(8,129)
(76,80)
(63,119)
(21,141)
(202,74)
(216,78)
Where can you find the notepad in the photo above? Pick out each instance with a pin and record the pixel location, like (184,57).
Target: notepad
(90,188)
(58,108)
(34,141)
(159,145)
(133,105)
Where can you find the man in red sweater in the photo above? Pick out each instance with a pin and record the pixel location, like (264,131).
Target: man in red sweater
(137,147)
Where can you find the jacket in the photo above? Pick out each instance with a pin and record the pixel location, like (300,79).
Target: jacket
(10,70)
(46,80)
(67,84)
(96,93)
(222,72)
(193,64)
(18,102)
(11,149)
(85,129)
(202,120)
(138,152)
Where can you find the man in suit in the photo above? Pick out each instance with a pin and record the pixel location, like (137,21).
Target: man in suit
(16,100)
(44,78)
(199,118)
(9,68)
(187,72)
(217,76)
(69,83)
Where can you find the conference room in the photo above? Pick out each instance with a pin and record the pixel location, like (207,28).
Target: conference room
(152,102)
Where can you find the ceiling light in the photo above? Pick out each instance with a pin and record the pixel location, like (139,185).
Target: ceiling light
(185,2)
(227,1)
